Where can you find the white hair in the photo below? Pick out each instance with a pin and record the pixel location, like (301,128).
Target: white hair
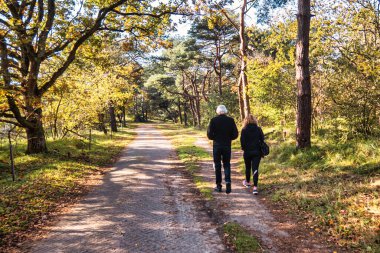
(221,109)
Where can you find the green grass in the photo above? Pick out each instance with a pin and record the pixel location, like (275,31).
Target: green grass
(184,143)
(44,181)
(240,239)
(333,186)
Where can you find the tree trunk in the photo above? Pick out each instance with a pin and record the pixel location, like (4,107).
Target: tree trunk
(36,137)
(304,109)
(101,125)
(243,59)
(180,111)
(218,66)
(124,120)
(146,114)
(192,108)
(241,103)
(55,127)
(220,81)
(112,117)
(185,108)
(198,111)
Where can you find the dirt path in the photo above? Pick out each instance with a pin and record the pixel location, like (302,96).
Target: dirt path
(142,205)
(249,211)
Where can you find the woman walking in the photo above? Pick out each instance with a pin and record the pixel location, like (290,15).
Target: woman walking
(251,136)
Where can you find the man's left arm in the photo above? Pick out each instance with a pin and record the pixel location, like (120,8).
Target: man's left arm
(210,131)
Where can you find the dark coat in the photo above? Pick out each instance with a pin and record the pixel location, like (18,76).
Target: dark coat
(222,130)
(250,138)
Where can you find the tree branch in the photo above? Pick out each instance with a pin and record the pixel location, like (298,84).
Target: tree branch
(11,122)
(30,12)
(70,58)
(48,26)
(4,62)
(17,114)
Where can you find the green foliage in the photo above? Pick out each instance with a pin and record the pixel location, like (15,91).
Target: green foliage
(344,60)
(99,78)
(228,99)
(40,40)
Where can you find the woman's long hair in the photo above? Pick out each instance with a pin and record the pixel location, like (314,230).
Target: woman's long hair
(250,119)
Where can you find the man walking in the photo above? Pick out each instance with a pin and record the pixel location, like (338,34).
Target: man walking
(222,130)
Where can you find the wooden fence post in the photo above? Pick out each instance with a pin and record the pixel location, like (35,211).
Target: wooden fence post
(11,156)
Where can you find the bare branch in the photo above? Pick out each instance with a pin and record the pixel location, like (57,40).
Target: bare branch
(11,122)
(30,12)
(17,114)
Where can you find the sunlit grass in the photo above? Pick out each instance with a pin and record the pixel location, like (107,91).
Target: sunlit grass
(43,181)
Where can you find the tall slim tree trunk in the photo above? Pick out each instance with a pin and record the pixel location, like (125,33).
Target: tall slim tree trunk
(180,111)
(304,109)
(185,108)
(218,66)
(198,111)
(102,126)
(124,120)
(241,102)
(192,108)
(112,117)
(243,59)
(146,112)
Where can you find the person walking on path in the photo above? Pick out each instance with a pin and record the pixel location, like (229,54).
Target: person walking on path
(222,130)
(251,136)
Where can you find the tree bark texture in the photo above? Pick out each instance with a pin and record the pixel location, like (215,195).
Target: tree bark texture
(243,59)
(36,137)
(101,125)
(112,117)
(180,111)
(241,102)
(304,109)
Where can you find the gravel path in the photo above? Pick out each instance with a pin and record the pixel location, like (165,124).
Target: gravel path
(142,205)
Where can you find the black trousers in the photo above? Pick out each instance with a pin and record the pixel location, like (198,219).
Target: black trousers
(222,154)
(252,163)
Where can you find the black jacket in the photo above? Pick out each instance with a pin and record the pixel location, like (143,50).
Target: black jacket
(222,130)
(250,138)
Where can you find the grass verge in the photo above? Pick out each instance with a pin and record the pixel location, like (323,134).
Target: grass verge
(46,181)
(240,239)
(333,187)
